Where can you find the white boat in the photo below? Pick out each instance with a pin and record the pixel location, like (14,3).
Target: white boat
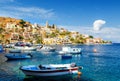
(46,49)
(50,70)
(71,50)
(25,48)
(15,51)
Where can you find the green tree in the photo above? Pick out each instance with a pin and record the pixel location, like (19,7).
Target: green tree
(56,31)
(1,38)
(65,33)
(21,37)
(53,26)
(52,35)
(91,37)
(39,40)
(22,23)
(1,30)
(71,39)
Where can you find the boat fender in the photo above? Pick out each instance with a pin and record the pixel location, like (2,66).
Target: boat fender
(70,71)
(79,73)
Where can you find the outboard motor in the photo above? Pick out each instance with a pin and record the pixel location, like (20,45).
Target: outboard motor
(73,65)
(30,54)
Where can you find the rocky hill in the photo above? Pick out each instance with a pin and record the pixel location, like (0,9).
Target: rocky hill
(13,30)
(5,20)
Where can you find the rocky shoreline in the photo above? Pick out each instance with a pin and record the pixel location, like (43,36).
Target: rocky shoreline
(2,58)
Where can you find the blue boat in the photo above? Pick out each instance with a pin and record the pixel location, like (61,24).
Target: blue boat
(18,56)
(1,48)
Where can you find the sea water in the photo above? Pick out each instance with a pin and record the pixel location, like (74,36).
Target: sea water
(103,65)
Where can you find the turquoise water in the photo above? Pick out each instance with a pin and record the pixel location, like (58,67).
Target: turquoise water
(101,66)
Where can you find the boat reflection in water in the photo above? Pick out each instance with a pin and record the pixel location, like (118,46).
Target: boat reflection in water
(54,78)
(66,56)
(70,50)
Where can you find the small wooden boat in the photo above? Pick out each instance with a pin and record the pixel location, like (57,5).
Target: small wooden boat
(66,56)
(50,70)
(17,56)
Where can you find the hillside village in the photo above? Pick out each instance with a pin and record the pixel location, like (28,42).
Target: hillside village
(13,30)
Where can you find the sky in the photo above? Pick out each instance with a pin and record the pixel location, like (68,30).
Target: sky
(100,18)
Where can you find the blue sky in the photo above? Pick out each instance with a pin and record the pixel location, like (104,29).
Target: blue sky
(75,15)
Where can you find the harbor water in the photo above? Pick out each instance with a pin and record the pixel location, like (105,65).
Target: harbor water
(102,65)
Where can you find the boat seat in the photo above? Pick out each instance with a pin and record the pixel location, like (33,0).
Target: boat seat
(48,68)
(34,68)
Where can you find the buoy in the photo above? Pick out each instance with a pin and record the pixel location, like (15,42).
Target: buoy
(95,50)
(79,73)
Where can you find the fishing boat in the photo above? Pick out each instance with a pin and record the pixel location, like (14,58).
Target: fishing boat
(70,50)
(50,69)
(17,56)
(24,46)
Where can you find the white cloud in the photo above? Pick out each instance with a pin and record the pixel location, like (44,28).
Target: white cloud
(4,1)
(12,0)
(98,24)
(27,12)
